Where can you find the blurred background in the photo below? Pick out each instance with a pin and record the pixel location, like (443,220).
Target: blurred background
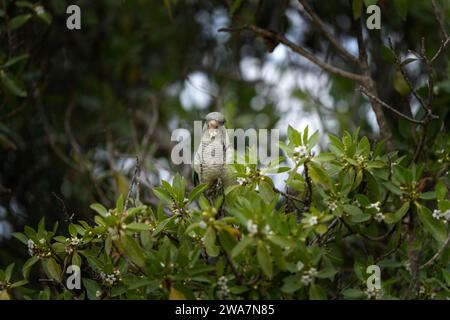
(78,106)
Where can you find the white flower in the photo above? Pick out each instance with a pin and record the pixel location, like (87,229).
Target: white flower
(444,216)
(374,293)
(313,221)
(98,293)
(202,224)
(248,170)
(308,276)
(300,151)
(39,10)
(379,217)
(222,281)
(332,206)
(241,180)
(223,287)
(312,272)
(42,241)
(74,241)
(375,205)
(30,244)
(300,265)
(251,227)
(407,266)
(306,279)
(267,229)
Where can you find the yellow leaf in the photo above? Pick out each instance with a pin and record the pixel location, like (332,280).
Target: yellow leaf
(400,84)
(4,295)
(232,231)
(176,295)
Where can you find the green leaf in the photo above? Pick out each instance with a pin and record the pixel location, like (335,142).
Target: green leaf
(11,85)
(352,210)
(264,259)
(441,190)
(101,210)
(210,242)
(91,287)
(392,218)
(19,21)
(280,241)
(136,226)
(53,269)
(133,250)
(162,194)
(19,283)
(28,264)
(197,191)
(353,294)
(435,227)
(45,17)
(15,60)
(291,284)
(8,272)
(316,292)
(120,204)
(313,140)
(163,224)
(21,237)
(294,136)
(327,273)
(428,195)
(244,243)
(76,259)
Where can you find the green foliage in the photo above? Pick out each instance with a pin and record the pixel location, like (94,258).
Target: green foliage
(353,206)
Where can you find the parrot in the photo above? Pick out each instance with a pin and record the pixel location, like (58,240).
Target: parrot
(212,156)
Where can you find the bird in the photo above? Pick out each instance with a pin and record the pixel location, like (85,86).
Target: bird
(212,156)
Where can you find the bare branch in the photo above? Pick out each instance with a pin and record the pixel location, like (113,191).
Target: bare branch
(321,26)
(371,87)
(405,75)
(384,104)
(443,46)
(304,53)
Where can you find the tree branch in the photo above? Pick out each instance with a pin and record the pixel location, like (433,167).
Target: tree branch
(371,88)
(384,104)
(331,38)
(304,53)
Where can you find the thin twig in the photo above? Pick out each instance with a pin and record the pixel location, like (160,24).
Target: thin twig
(134,181)
(439,18)
(437,254)
(384,104)
(63,205)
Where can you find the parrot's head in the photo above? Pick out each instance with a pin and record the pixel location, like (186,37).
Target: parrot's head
(214,120)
